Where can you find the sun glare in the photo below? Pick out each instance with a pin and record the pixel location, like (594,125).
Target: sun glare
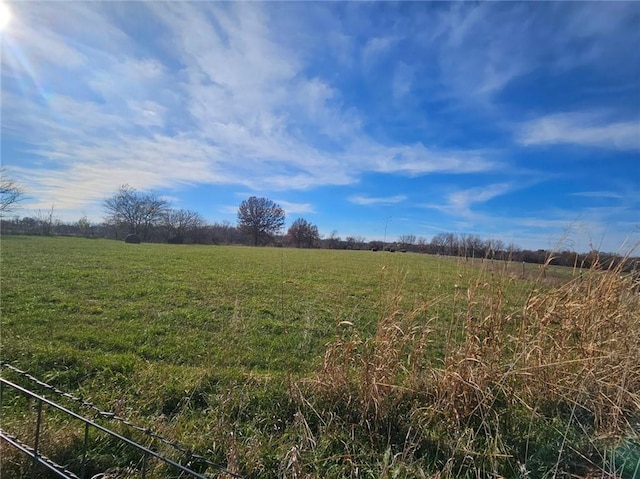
(5,15)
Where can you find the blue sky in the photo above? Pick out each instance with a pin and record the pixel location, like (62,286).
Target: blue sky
(517,121)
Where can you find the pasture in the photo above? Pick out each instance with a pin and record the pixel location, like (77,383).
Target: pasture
(104,306)
(280,362)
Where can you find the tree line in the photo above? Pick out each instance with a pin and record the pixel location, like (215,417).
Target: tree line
(260,221)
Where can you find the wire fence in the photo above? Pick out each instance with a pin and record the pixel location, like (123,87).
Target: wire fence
(187,455)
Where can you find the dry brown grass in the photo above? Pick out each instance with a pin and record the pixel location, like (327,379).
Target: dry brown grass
(566,368)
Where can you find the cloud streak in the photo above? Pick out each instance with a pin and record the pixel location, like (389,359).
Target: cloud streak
(459,203)
(257,119)
(369,200)
(582,129)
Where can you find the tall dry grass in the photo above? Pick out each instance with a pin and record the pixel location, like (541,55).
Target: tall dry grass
(552,390)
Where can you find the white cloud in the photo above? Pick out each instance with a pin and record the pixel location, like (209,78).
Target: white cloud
(477,59)
(45,47)
(228,209)
(581,128)
(459,203)
(481,48)
(369,200)
(598,194)
(254,117)
(295,208)
(403,78)
(419,160)
(375,48)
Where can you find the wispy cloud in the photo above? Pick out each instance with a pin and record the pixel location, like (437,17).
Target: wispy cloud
(581,128)
(254,116)
(403,78)
(375,48)
(462,200)
(459,203)
(477,60)
(419,160)
(599,194)
(295,208)
(369,200)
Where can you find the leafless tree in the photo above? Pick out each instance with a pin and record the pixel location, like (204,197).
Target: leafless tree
(223,233)
(11,193)
(47,221)
(333,241)
(136,211)
(422,244)
(406,240)
(445,243)
(438,242)
(303,234)
(260,218)
(182,223)
(475,246)
(84,226)
(355,242)
(495,248)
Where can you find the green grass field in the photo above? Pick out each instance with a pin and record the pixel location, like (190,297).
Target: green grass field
(103,306)
(247,354)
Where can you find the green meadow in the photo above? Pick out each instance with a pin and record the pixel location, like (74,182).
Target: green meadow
(278,362)
(106,306)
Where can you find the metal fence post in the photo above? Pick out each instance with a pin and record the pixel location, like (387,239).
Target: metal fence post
(37,439)
(144,466)
(84,450)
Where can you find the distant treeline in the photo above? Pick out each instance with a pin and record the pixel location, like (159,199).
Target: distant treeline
(225,233)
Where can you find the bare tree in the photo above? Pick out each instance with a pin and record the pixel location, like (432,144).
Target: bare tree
(11,193)
(475,246)
(182,223)
(359,241)
(438,243)
(422,244)
(223,233)
(512,252)
(47,221)
(350,242)
(84,226)
(445,243)
(406,241)
(333,241)
(260,218)
(138,212)
(303,234)
(451,241)
(496,248)
(355,242)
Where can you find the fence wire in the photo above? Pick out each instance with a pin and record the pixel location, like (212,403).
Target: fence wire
(187,453)
(62,471)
